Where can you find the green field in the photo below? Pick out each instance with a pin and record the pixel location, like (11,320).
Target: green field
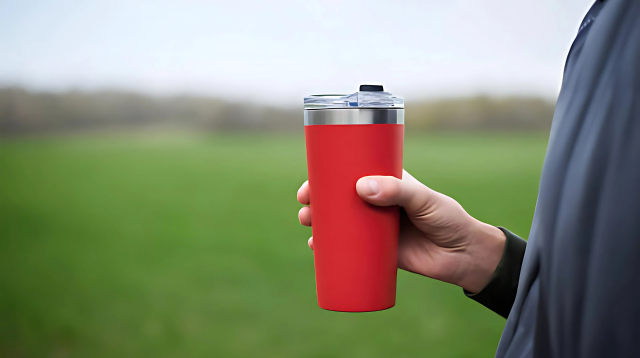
(189,246)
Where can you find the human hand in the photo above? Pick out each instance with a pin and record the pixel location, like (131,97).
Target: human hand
(438,239)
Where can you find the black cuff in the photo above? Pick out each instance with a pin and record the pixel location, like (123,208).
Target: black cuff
(500,293)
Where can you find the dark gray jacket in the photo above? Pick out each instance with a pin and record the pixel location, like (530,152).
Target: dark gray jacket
(578,292)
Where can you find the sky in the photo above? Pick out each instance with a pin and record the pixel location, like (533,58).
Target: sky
(280,50)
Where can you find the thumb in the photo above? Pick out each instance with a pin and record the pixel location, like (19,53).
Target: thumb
(409,193)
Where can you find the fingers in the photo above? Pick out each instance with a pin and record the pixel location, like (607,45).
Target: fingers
(304,215)
(409,193)
(303,193)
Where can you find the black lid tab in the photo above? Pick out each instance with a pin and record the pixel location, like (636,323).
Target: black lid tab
(371,88)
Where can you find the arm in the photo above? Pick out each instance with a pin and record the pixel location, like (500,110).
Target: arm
(438,238)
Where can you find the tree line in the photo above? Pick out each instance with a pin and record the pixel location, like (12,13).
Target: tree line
(28,112)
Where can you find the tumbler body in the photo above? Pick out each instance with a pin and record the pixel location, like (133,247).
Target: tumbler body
(355,243)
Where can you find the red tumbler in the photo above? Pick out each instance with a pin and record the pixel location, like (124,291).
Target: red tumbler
(355,243)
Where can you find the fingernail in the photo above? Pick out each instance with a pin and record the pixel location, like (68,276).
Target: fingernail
(373,187)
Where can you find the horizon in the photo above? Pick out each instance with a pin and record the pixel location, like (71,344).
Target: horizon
(284,106)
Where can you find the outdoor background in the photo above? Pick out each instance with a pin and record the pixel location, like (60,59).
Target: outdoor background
(150,153)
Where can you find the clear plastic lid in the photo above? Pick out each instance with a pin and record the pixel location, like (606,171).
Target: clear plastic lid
(369,96)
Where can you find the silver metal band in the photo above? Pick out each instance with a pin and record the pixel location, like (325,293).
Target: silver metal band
(353,116)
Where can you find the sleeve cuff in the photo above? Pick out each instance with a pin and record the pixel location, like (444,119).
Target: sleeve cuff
(500,292)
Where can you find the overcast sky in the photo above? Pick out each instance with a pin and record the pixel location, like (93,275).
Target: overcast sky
(280,50)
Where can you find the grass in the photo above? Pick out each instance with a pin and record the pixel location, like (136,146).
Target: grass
(187,246)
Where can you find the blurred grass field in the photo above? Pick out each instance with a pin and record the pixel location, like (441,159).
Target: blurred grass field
(189,246)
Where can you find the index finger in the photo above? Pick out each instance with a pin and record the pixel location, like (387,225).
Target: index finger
(303,193)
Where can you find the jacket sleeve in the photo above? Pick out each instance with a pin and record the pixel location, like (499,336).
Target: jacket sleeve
(500,292)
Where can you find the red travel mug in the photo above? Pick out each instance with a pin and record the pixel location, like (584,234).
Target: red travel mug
(355,243)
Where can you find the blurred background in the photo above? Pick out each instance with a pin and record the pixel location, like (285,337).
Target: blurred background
(150,152)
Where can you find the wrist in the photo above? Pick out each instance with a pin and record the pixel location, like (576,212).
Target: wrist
(485,247)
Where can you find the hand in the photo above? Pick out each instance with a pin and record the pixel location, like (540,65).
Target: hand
(438,239)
